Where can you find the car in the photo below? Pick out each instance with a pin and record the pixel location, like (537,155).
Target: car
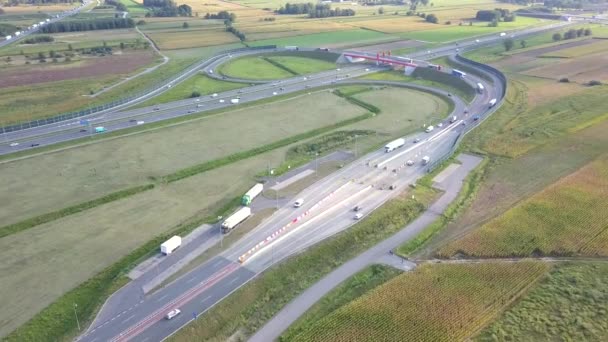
(477,40)
(357,208)
(476,117)
(34,145)
(222,101)
(197,100)
(298,203)
(240,91)
(466,111)
(417,140)
(410,163)
(304,78)
(307,86)
(274,93)
(132,120)
(358,216)
(140,122)
(338,69)
(223,77)
(450,94)
(281,89)
(173,313)
(210,71)
(366,69)
(190,111)
(391,187)
(199,105)
(168,86)
(440,124)
(13,144)
(214,95)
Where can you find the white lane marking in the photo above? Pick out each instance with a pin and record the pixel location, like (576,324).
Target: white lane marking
(128,318)
(205,299)
(233,280)
(217,263)
(190,280)
(161,298)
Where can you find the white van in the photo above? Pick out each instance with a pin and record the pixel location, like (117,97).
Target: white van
(172,313)
(298,203)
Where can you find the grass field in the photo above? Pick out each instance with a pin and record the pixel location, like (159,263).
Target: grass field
(199,83)
(596,47)
(278,65)
(253,304)
(303,65)
(566,218)
(188,38)
(354,287)
(432,303)
(568,305)
(327,39)
(134,7)
(253,67)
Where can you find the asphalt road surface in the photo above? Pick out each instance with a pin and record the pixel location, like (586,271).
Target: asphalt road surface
(327,210)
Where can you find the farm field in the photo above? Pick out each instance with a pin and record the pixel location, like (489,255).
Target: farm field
(278,65)
(329,39)
(188,38)
(303,65)
(253,67)
(566,218)
(92,171)
(199,83)
(171,204)
(574,290)
(435,302)
(134,7)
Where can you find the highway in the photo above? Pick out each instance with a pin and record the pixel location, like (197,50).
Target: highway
(327,210)
(113,119)
(33,30)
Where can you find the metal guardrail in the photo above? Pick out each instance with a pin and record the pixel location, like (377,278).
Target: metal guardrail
(503,80)
(125,100)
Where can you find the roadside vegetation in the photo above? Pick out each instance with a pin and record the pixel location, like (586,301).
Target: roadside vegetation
(353,288)
(432,303)
(253,304)
(569,304)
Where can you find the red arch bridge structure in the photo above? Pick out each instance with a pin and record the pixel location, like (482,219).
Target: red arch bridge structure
(380,59)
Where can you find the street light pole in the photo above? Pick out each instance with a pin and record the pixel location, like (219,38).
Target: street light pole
(219,218)
(75,314)
(317,164)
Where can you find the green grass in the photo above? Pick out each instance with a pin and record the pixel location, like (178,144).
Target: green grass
(353,288)
(568,305)
(134,8)
(434,302)
(199,83)
(253,304)
(321,39)
(253,67)
(302,65)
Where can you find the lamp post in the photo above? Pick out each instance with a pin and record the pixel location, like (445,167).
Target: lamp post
(76,314)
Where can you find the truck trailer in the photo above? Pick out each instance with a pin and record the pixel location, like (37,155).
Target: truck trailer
(170,245)
(425,160)
(236,218)
(251,194)
(458,73)
(480,88)
(394,145)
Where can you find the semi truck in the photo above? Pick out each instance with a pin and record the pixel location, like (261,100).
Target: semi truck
(430,129)
(170,245)
(458,73)
(480,88)
(425,160)
(394,145)
(236,218)
(234,101)
(251,194)
(492,102)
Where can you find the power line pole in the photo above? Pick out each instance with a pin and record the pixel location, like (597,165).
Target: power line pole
(75,314)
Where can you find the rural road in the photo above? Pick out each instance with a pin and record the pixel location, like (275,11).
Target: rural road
(296,308)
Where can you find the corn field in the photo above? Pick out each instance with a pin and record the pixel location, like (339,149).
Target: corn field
(570,217)
(436,302)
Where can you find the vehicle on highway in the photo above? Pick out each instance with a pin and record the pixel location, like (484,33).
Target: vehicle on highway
(492,102)
(132,120)
(453,119)
(100,129)
(429,129)
(440,124)
(426,160)
(449,94)
(476,117)
(502,34)
(394,145)
(298,203)
(190,111)
(170,245)
(222,101)
(14,144)
(197,100)
(156,108)
(211,71)
(199,105)
(357,208)
(240,92)
(83,130)
(409,162)
(214,95)
(252,193)
(235,219)
(172,313)
(477,40)
(480,88)
(140,122)
(274,93)
(234,101)
(34,145)
(466,111)
(417,140)
(358,216)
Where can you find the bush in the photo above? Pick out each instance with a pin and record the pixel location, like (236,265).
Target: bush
(564,80)
(594,83)
(431,18)
(195,94)
(38,39)
(450,23)
(141,22)
(557,37)
(587,32)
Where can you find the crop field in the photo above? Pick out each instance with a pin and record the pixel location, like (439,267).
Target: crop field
(568,305)
(329,39)
(432,303)
(118,64)
(133,160)
(35,9)
(91,171)
(566,218)
(199,83)
(188,38)
(253,67)
(592,46)
(582,70)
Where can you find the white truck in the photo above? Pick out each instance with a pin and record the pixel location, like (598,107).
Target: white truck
(453,119)
(492,102)
(8,37)
(292,48)
(394,145)
(480,88)
(170,245)
(425,160)
(17,34)
(236,218)
(430,129)
(234,101)
(251,194)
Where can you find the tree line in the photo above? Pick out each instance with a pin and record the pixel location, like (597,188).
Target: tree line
(117,4)
(572,33)
(225,15)
(497,14)
(88,25)
(167,8)
(314,11)
(38,2)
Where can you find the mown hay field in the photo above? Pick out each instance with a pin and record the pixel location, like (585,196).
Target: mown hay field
(594,46)
(188,38)
(567,218)
(338,38)
(439,302)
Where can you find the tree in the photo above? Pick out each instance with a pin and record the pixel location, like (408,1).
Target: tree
(431,18)
(185,25)
(587,32)
(580,32)
(381,10)
(508,44)
(70,47)
(122,45)
(557,36)
(523,44)
(195,94)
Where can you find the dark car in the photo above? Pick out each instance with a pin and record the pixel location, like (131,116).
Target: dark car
(132,120)
(83,130)
(476,117)
(34,145)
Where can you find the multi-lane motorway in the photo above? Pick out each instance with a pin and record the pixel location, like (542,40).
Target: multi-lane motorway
(327,210)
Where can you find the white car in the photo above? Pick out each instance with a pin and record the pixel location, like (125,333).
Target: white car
(358,216)
(222,101)
(477,40)
(366,69)
(172,313)
(214,95)
(440,124)
(410,162)
(199,105)
(298,203)
(14,144)
(211,71)
(140,122)
(274,93)
(197,100)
